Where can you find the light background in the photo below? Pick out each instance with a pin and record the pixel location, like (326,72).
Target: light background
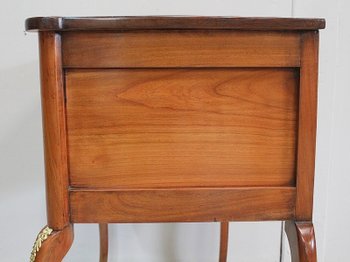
(22,196)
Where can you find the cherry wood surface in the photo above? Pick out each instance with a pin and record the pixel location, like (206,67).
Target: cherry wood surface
(182,205)
(103,230)
(306,242)
(178,119)
(54,129)
(180,49)
(224,236)
(56,246)
(302,242)
(307,126)
(171,22)
(181,128)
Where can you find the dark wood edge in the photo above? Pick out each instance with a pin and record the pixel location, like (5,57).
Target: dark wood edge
(171,22)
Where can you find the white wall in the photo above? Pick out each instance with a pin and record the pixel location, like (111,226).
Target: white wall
(22,197)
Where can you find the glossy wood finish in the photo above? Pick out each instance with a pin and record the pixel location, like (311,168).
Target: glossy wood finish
(224,231)
(301,236)
(182,128)
(103,230)
(306,241)
(182,205)
(171,22)
(180,49)
(54,129)
(178,119)
(56,246)
(307,126)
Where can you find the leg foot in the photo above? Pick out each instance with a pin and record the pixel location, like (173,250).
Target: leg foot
(103,242)
(224,226)
(301,236)
(52,246)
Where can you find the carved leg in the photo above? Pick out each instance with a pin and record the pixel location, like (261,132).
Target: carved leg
(224,226)
(103,242)
(301,236)
(52,246)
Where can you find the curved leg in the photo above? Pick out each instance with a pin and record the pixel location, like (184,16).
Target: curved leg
(103,242)
(301,237)
(224,226)
(52,246)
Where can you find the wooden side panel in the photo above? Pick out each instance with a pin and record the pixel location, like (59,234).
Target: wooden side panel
(182,205)
(181,49)
(182,127)
(54,125)
(307,126)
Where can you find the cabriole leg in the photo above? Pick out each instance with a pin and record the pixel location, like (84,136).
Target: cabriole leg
(52,246)
(301,237)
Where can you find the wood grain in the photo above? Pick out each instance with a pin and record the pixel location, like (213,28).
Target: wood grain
(171,22)
(182,205)
(54,129)
(173,128)
(56,246)
(180,49)
(307,126)
(178,119)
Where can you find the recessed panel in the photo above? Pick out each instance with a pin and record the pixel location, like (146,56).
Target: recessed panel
(140,128)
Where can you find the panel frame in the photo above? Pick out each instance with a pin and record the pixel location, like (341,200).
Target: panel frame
(307,125)
(304,187)
(182,205)
(178,48)
(54,130)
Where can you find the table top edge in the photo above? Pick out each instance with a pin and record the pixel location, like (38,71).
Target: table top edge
(105,23)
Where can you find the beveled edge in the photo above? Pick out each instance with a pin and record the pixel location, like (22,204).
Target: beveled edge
(171,22)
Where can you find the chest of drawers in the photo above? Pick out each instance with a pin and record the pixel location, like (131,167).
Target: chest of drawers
(174,119)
